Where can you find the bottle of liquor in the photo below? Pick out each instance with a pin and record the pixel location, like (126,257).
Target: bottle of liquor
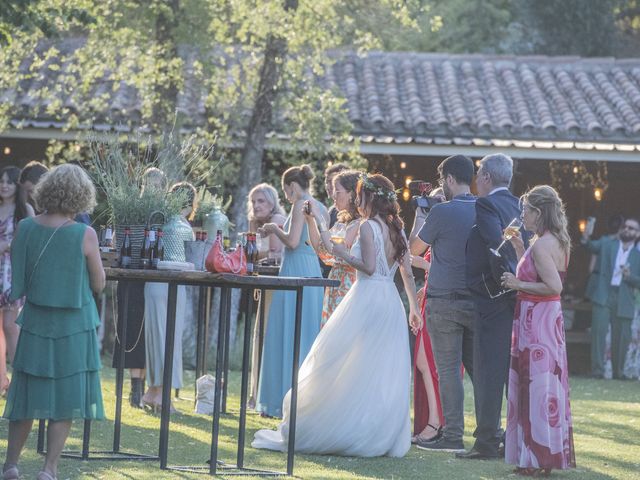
(145,264)
(152,244)
(255,254)
(108,237)
(219,238)
(250,247)
(158,249)
(125,250)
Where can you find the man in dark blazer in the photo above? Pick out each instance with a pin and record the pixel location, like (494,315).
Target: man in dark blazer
(611,293)
(496,207)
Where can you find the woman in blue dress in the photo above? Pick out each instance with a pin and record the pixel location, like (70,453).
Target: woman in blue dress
(299,260)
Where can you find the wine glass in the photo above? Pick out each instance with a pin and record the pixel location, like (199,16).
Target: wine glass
(510,230)
(338,233)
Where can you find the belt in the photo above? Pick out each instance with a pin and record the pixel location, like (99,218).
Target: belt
(450,296)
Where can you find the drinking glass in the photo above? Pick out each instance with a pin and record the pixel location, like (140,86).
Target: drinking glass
(262,243)
(338,233)
(275,258)
(510,231)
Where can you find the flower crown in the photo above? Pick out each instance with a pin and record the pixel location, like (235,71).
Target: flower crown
(377,189)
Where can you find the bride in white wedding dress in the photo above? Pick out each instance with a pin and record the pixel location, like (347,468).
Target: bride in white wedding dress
(354,385)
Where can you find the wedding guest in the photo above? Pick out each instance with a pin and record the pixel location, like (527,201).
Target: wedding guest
(153,181)
(427,408)
(13,208)
(539,433)
(612,295)
(450,311)
(496,208)
(329,174)
(263,206)
(344,200)
(299,261)
(56,265)
(155,304)
(353,388)
(30,175)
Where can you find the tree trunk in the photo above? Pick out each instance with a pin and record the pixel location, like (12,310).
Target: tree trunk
(164,108)
(260,122)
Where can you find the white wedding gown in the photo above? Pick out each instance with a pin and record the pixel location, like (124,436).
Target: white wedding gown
(354,385)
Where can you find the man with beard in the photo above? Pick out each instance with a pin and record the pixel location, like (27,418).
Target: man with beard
(450,311)
(618,273)
(496,207)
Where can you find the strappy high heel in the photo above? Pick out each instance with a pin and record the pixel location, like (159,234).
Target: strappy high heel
(419,438)
(10,471)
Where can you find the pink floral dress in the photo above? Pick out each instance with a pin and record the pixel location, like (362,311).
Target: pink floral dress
(539,426)
(6,235)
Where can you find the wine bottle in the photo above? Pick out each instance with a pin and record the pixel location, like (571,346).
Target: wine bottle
(158,249)
(125,250)
(145,264)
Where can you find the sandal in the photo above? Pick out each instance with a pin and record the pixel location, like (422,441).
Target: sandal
(44,475)
(10,471)
(421,439)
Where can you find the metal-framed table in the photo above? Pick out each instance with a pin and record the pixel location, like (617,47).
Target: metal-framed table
(226,282)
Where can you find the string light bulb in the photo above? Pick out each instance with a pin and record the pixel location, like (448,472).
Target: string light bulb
(408,180)
(582,225)
(597,194)
(406,194)
(7,150)
(403,165)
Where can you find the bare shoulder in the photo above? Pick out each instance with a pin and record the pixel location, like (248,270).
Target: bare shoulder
(548,246)
(278,219)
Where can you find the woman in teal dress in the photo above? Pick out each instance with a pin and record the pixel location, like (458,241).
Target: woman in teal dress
(299,260)
(57,268)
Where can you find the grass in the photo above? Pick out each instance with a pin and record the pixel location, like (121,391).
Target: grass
(606,424)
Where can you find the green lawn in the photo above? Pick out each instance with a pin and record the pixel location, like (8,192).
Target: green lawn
(606,424)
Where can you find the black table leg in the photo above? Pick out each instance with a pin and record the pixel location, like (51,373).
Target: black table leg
(247,307)
(225,365)
(223,322)
(294,382)
(263,301)
(120,351)
(199,334)
(167,373)
(41,434)
(86,434)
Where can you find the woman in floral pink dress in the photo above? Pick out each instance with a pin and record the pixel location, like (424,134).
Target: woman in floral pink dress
(539,434)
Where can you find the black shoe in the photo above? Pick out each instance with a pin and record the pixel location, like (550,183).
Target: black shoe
(137,390)
(442,445)
(474,454)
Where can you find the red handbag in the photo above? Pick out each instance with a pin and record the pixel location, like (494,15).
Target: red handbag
(219,261)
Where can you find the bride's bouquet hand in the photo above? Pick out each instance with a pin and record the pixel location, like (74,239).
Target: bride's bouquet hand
(415,321)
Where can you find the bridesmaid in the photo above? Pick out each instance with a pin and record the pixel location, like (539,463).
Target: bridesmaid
(263,206)
(299,260)
(344,199)
(539,433)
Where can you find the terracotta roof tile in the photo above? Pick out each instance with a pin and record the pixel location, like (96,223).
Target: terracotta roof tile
(427,97)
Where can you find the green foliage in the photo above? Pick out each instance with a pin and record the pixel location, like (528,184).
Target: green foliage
(117,165)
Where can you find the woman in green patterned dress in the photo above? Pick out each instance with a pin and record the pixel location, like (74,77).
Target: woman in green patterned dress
(57,268)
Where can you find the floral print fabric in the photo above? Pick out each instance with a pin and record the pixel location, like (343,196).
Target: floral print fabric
(6,234)
(539,426)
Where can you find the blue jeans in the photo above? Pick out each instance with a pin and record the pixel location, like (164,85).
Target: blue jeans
(450,324)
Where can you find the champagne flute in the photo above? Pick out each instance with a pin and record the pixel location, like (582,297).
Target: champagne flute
(510,230)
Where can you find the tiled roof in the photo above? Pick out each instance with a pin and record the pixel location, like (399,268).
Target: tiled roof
(478,96)
(416,98)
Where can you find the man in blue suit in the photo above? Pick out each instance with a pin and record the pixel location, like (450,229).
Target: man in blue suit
(496,207)
(611,293)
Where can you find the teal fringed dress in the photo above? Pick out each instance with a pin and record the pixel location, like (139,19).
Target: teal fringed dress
(57,361)
(277,354)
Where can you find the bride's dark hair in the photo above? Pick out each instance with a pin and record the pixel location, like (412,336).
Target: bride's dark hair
(377,191)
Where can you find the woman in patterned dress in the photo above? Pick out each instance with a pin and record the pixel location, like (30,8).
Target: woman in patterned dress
(13,208)
(539,433)
(344,198)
